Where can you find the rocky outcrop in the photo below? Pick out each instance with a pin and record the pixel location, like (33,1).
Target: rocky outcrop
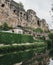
(15,15)
(6,15)
(44,25)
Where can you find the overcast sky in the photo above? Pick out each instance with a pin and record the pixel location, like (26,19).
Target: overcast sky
(41,7)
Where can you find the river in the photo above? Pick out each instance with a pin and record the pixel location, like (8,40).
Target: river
(26,58)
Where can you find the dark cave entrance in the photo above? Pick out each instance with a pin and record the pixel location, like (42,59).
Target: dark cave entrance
(38,22)
(2,5)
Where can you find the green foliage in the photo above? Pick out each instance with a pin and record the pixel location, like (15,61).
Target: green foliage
(0,27)
(10,38)
(10,49)
(5,27)
(38,30)
(49,44)
(51,52)
(42,38)
(51,36)
(13,58)
(15,54)
(50,41)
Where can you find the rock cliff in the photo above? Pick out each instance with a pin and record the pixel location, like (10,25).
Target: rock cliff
(15,15)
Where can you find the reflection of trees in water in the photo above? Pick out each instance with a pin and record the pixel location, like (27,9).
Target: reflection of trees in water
(52,58)
(28,58)
(38,59)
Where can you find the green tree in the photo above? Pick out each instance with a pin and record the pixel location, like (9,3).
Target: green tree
(5,26)
(50,41)
(51,36)
(0,27)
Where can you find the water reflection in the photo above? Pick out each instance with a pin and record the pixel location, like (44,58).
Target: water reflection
(51,61)
(39,59)
(26,58)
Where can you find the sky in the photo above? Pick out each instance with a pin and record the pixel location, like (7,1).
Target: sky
(41,7)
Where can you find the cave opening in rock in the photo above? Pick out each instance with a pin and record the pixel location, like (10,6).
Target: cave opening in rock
(2,5)
(14,11)
(38,22)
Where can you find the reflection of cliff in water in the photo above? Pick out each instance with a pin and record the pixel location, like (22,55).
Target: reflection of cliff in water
(38,59)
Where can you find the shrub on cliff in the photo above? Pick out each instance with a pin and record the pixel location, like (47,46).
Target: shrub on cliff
(38,30)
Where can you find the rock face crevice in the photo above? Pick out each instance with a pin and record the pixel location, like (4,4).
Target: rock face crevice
(14,15)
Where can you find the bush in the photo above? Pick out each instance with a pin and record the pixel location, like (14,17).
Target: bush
(5,27)
(10,49)
(49,44)
(51,36)
(50,41)
(10,38)
(38,30)
(42,38)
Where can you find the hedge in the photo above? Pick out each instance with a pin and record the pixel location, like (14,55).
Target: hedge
(10,49)
(10,38)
